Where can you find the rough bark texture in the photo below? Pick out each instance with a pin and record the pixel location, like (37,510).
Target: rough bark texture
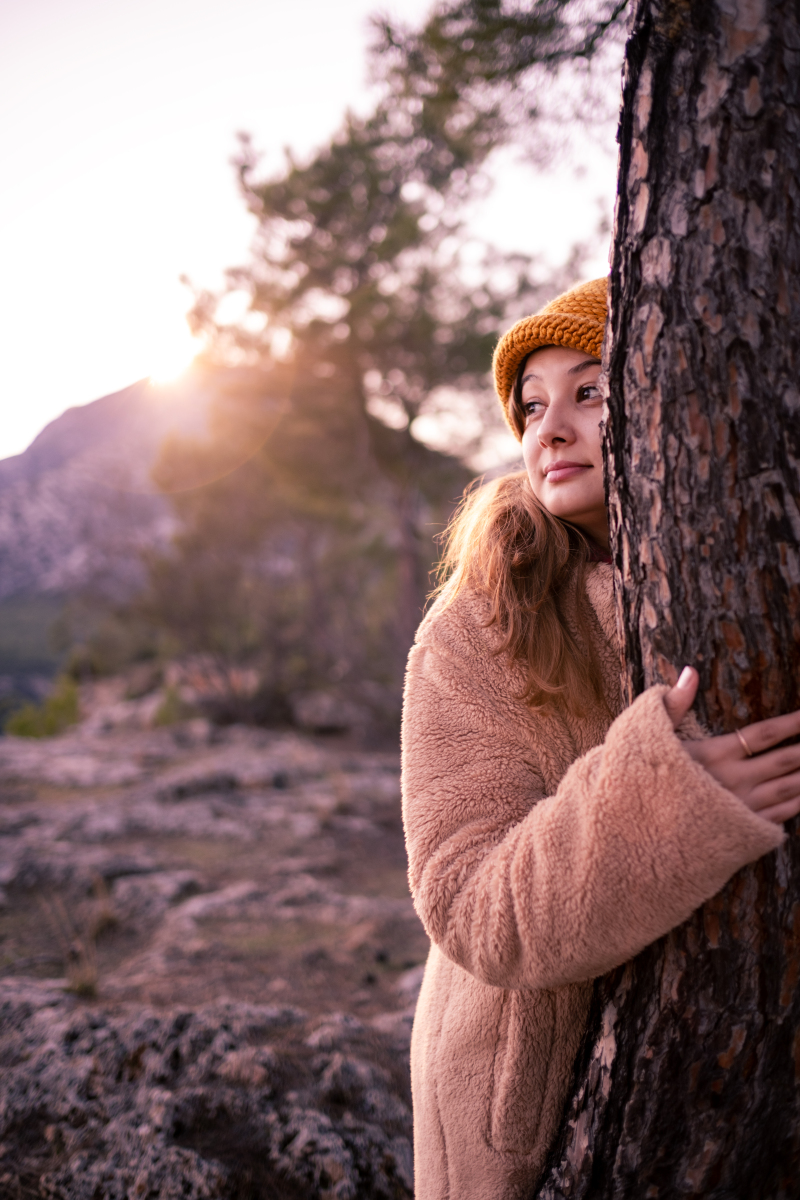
(689,1082)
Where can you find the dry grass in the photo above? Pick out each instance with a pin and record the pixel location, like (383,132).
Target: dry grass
(78,948)
(102,916)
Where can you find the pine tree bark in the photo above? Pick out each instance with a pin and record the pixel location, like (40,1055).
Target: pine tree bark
(689,1080)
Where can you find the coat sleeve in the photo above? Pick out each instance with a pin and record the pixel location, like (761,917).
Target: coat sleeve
(526,890)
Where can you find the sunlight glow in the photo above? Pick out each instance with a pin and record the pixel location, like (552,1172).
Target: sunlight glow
(177,78)
(174,356)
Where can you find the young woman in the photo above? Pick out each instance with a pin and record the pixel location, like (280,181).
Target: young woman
(551,836)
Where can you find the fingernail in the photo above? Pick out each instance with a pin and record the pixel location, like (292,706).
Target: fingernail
(685,679)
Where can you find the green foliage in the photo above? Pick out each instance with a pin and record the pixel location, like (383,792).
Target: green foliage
(92,638)
(310,561)
(55,714)
(311,557)
(482,64)
(171,709)
(361,270)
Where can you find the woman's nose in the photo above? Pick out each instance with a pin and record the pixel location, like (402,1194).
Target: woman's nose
(555,427)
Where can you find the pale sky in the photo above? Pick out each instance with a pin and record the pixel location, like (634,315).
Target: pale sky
(117,123)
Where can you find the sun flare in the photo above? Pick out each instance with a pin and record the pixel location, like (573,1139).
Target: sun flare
(174,356)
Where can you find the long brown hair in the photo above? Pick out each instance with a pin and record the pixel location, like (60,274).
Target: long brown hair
(503,543)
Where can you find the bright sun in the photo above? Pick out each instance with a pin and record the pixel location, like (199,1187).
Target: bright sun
(174,355)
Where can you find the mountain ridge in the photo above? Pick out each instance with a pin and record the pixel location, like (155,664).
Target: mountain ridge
(79,504)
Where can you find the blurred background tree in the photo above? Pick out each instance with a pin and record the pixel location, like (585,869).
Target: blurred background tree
(487,65)
(364,317)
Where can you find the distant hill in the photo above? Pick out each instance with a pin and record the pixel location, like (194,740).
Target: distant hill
(306,529)
(78,506)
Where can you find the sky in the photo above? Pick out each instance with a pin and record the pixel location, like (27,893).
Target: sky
(117,125)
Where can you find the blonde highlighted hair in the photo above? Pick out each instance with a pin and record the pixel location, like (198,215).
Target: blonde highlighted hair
(503,543)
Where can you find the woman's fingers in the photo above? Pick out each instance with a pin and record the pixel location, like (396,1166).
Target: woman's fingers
(680,698)
(780,762)
(763,734)
(768,784)
(777,790)
(760,769)
(781,812)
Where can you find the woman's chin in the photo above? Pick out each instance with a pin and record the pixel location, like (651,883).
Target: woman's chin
(569,507)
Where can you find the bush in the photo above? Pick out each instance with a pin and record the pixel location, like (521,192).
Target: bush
(172,708)
(59,710)
(106,643)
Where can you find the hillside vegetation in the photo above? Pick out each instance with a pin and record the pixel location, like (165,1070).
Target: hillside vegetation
(278,532)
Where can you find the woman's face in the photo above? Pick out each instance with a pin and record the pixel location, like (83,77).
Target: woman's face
(562,407)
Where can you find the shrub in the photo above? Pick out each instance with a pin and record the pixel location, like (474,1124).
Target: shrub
(172,708)
(60,709)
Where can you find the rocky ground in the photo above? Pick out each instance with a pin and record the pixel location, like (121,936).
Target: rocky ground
(208,965)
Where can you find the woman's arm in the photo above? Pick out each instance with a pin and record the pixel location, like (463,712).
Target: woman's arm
(528,890)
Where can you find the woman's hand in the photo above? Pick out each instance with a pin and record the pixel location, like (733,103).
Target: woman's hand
(769,784)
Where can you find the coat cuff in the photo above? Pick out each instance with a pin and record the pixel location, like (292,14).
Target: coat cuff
(732,834)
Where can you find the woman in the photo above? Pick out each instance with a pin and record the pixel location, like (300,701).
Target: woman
(551,836)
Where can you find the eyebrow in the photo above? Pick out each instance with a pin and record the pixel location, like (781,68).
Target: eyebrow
(581,366)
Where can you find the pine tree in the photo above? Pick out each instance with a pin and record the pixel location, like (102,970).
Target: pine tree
(689,1084)
(313,557)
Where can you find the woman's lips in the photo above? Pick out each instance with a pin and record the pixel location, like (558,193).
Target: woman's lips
(557,471)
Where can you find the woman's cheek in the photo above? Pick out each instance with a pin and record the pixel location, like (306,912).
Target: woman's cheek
(531,458)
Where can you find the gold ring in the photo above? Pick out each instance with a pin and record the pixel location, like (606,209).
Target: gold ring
(745,746)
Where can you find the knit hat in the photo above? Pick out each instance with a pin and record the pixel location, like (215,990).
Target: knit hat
(577,319)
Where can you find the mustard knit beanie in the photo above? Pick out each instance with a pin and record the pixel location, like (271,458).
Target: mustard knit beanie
(577,319)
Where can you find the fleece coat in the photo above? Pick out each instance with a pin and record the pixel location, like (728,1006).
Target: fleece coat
(544,850)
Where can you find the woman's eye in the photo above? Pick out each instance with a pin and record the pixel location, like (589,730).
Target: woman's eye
(532,408)
(589,391)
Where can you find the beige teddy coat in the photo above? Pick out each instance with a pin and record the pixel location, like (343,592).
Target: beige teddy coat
(543,851)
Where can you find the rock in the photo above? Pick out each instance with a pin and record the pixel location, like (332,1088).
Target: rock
(395,1025)
(143,679)
(191,1104)
(198,731)
(326,712)
(138,713)
(344,1080)
(409,984)
(335,1030)
(233,867)
(195,782)
(140,1170)
(149,895)
(251,1067)
(32,866)
(65,762)
(86,770)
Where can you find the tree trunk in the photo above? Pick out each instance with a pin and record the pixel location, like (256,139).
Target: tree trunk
(689,1080)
